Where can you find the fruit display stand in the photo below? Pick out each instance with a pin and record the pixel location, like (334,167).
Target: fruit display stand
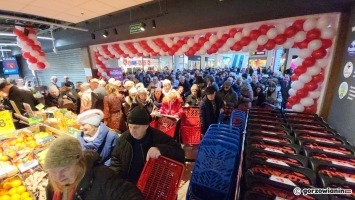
(13,188)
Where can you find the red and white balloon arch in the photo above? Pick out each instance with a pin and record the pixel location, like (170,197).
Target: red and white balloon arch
(30,47)
(312,35)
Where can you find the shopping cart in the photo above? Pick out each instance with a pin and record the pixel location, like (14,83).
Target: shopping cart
(165,123)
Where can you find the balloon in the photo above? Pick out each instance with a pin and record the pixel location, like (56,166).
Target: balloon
(190,42)
(327,33)
(237,46)
(254,34)
(32,66)
(307,62)
(293,99)
(311,86)
(41,65)
(320,53)
(304,53)
(307,101)
(314,94)
(303,44)
(322,62)
(313,70)
(298,24)
(315,44)
(323,22)
(35,54)
(32,60)
(202,40)
(296,85)
(238,36)
(245,41)
(185,47)
(26,55)
(208,35)
(291,92)
(301,93)
(289,43)
(246,31)
(313,34)
(309,24)
(305,78)
(219,43)
(311,109)
(281,28)
(262,39)
(271,33)
(326,43)
(280,39)
(270,44)
(263,29)
(300,36)
(245,49)
(260,48)
(298,108)
(290,31)
(207,45)
(213,39)
(294,77)
(298,61)
(225,37)
(253,45)
(232,32)
(230,42)
(318,78)
(289,105)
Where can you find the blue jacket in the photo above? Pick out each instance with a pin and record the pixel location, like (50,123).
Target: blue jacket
(103,144)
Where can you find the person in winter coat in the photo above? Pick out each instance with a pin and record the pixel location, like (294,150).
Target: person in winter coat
(113,110)
(157,97)
(129,100)
(172,104)
(95,135)
(85,99)
(246,95)
(259,96)
(229,97)
(210,108)
(141,143)
(143,101)
(74,175)
(273,96)
(52,99)
(193,99)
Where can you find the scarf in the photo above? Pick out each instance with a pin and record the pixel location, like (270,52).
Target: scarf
(60,196)
(92,138)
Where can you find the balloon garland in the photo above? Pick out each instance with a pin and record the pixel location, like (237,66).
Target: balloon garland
(312,36)
(31,49)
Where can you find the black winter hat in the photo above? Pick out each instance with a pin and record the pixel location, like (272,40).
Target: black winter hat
(210,90)
(199,80)
(138,116)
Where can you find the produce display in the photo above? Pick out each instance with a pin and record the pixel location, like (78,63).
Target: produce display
(36,182)
(14,189)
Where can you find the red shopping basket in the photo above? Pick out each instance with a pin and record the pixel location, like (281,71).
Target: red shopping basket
(191,116)
(160,179)
(165,124)
(190,134)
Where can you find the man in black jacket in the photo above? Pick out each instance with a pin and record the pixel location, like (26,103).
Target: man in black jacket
(141,143)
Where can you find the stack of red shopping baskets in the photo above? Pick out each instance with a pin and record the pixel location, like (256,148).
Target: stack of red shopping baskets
(190,129)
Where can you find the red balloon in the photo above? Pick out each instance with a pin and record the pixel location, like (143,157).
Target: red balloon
(311,86)
(311,109)
(36,47)
(32,60)
(270,45)
(290,31)
(260,47)
(225,37)
(313,34)
(301,93)
(293,99)
(41,65)
(22,37)
(209,51)
(17,32)
(214,49)
(280,39)
(113,56)
(98,74)
(319,53)
(245,41)
(308,62)
(180,43)
(26,55)
(303,44)
(232,32)
(201,41)
(298,24)
(171,52)
(294,77)
(289,105)
(165,48)
(254,34)
(175,48)
(318,78)
(219,43)
(326,43)
(30,42)
(196,47)
(300,70)
(208,35)
(237,46)
(185,39)
(264,29)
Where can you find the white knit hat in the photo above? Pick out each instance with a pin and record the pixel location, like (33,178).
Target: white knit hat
(92,117)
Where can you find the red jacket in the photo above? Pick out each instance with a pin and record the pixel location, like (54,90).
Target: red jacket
(169,108)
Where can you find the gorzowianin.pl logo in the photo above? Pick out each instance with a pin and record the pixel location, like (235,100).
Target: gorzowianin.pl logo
(305,191)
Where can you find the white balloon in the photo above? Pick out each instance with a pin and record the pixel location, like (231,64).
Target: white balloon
(20,44)
(196,38)
(203,51)
(300,36)
(281,28)
(32,67)
(315,44)
(185,47)
(271,33)
(34,53)
(305,78)
(145,53)
(169,42)
(262,39)
(213,38)
(100,58)
(99,69)
(289,43)
(245,49)
(322,62)
(190,42)
(291,92)
(32,36)
(20,28)
(230,42)
(296,85)
(26,48)
(238,36)
(253,45)
(298,108)
(207,45)
(314,94)
(307,101)
(298,61)
(309,24)
(246,31)
(315,70)
(219,34)
(225,48)
(323,22)
(304,53)
(176,39)
(327,33)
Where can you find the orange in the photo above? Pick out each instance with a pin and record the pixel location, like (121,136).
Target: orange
(21,189)
(7,185)
(16,183)
(3,192)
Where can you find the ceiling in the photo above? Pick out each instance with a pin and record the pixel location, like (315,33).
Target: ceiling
(73,11)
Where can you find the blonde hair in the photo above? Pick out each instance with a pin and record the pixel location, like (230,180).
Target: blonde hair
(173,94)
(111,88)
(194,87)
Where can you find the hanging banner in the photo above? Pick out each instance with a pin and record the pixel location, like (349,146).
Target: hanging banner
(116,73)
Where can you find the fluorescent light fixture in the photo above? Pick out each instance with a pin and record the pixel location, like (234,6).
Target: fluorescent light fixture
(44,38)
(8,44)
(13,35)
(5,50)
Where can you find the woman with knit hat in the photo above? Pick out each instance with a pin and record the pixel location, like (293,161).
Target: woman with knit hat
(95,135)
(74,174)
(143,100)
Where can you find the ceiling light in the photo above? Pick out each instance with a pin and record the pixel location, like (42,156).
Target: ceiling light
(8,44)
(105,34)
(115,31)
(93,36)
(142,26)
(153,24)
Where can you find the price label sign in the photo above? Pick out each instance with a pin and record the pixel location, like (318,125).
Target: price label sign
(282,180)
(6,122)
(35,120)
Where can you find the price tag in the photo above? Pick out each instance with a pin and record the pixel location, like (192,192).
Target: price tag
(35,120)
(342,164)
(5,169)
(26,166)
(278,162)
(45,140)
(348,179)
(6,122)
(331,151)
(274,150)
(40,106)
(282,180)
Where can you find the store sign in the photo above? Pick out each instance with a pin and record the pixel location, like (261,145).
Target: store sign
(258,53)
(116,73)
(6,123)
(10,65)
(135,28)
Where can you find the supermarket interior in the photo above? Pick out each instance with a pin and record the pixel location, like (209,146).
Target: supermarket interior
(177,99)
